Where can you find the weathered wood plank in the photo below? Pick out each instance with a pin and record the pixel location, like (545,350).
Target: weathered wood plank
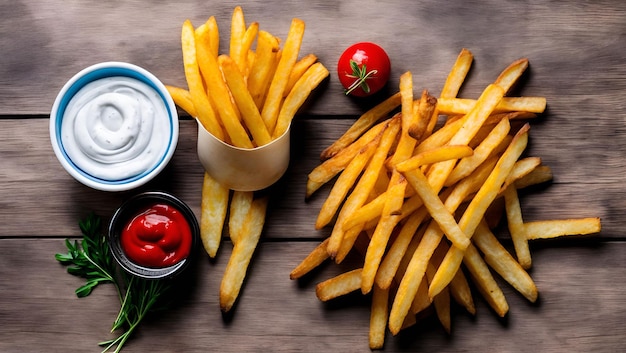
(578,310)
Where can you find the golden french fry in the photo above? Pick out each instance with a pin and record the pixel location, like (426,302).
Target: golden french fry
(240,204)
(511,74)
(441,302)
(314,259)
(439,137)
(461,292)
(472,122)
(260,74)
(361,125)
(378,317)
(437,209)
(516,227)
(521,168)
(183,99)
(424,116)
(243,250)
(271,108)
(436,155)
(460,106)
(246,43)
(300,92)
(481,153)
(218,89)
(237,32)
(206,114)
(413,276)
(503,263)
(539,175)
(213,209)
(299,68)
(457,74)
(213,35)
(477,208)
(389,266)
(339,285)
(249,112)
(358,197)
(484,281)
(333,166)
(562,227)
(344,184)
(380,238)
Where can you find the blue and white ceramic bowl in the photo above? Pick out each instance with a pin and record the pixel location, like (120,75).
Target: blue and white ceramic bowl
(114,126)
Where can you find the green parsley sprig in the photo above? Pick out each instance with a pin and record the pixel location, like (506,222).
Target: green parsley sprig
(91,259)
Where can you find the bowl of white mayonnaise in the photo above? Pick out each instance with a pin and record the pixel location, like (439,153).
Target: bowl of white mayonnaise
(114,126)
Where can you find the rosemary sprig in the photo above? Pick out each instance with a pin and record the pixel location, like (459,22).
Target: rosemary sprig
(91,259)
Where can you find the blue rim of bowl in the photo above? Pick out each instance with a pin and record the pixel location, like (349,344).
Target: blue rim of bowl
(128,210)
(93,73)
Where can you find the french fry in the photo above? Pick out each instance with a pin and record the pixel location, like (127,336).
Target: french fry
(424,114)
(182,98)
(437,209)
(385,226)
(314,259)
(441,302)
(219,91)
(503,263)
(271,108)
(331,167)
(378,317)
(206,114)
(477,208)
(457,74)
(460,106)
(484,281)
(558,228)
(246,43)
(242,254)
(539,175)
(245,103)
(237,32)
(339,285)
(509,76)
(389,266)
(344,183)
(484,150)
(240,204)
(261,71)
(436,155)
(521,168)
(299,68)
(361,125)
(300,92)
(213,209)
(516,227)
(213,35)
(366,182)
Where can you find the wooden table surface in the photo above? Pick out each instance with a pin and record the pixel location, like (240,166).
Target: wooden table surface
(577,60)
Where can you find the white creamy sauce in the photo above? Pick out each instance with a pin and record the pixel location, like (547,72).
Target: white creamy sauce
(115,128)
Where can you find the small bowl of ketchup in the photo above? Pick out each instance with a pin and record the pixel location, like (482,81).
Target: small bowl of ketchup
(153,235)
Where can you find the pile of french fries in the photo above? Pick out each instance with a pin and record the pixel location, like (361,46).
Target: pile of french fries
(419,193)
(246,98)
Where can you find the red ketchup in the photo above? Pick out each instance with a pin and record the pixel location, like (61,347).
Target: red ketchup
(159,236)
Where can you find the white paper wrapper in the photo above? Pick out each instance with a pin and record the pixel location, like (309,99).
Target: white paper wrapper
(244,169)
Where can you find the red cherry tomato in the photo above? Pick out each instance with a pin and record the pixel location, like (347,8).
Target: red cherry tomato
(363,69)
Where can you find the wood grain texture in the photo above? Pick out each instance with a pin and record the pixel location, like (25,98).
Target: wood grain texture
(576,54)
(275,314)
